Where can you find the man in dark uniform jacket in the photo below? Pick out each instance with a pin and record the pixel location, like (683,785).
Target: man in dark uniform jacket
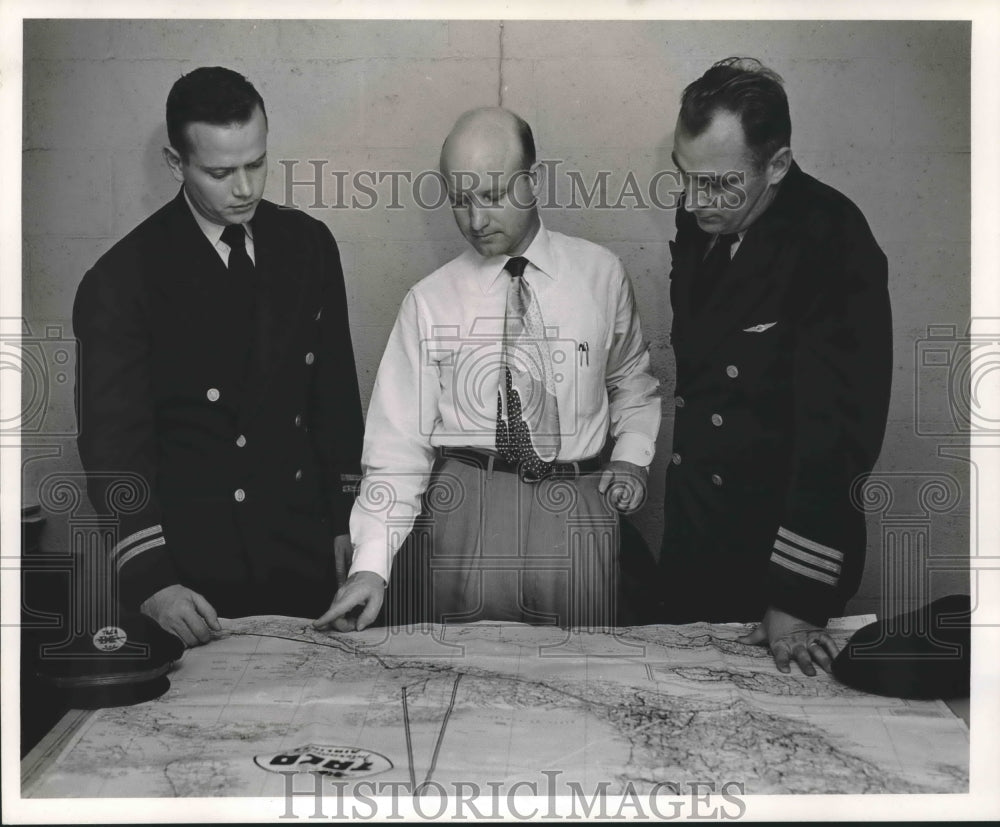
(783,341)
(217,393)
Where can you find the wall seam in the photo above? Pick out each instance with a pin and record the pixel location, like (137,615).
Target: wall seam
(500,67)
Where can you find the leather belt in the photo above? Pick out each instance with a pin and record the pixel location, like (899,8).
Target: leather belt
(489,462)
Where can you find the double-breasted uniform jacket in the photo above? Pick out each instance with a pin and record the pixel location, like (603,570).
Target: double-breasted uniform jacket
(782,394)
(221,420)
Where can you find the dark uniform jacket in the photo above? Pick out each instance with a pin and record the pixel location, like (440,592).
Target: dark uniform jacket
(220,420)
(782,394)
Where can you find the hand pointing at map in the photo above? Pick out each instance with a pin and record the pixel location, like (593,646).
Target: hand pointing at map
(363,589)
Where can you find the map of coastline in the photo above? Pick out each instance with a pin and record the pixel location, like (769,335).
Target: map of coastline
(494,703)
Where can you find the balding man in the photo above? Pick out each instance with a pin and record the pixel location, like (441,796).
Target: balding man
(503,376)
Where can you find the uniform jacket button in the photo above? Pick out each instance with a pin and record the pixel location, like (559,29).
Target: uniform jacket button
(298,475)
(298,420)
(679,401)
(676,459)
(716,420)
(310,358)
(241,441)
(213,394)
(716,479)
(732,371)
(239,495)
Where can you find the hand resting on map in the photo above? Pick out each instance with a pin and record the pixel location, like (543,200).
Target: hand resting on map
(183,612)
(790,638)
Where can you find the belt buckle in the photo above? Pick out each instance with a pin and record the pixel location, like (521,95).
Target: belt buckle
(530,478)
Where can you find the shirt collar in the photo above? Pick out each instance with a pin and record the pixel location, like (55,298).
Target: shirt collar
(539,254)
(212,231)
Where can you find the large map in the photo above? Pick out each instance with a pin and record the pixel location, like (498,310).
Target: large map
(501,704)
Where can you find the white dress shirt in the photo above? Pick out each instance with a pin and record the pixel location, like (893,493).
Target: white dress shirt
(438,380)
(213,232)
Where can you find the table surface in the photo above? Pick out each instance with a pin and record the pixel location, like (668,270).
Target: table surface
(497,701)
(960,706)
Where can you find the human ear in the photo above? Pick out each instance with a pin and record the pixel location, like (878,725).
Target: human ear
(174,162)
(778,166)
(536,176)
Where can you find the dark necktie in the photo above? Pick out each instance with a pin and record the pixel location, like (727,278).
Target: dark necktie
(527,411)
(711,271)
(240,264)
(244,284)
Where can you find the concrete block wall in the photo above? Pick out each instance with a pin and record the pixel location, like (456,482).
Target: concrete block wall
(880,110)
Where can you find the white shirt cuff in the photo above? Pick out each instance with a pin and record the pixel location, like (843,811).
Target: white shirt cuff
(634,448)
(372,558)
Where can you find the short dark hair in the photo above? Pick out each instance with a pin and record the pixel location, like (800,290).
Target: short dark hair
(527,140)
(748,89)
(209,94)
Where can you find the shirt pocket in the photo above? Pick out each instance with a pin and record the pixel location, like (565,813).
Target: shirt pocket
(579,362)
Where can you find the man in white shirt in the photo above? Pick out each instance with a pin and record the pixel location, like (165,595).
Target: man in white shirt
(503,375)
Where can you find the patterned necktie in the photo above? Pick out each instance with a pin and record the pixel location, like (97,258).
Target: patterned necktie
(712,268)
(527,412)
